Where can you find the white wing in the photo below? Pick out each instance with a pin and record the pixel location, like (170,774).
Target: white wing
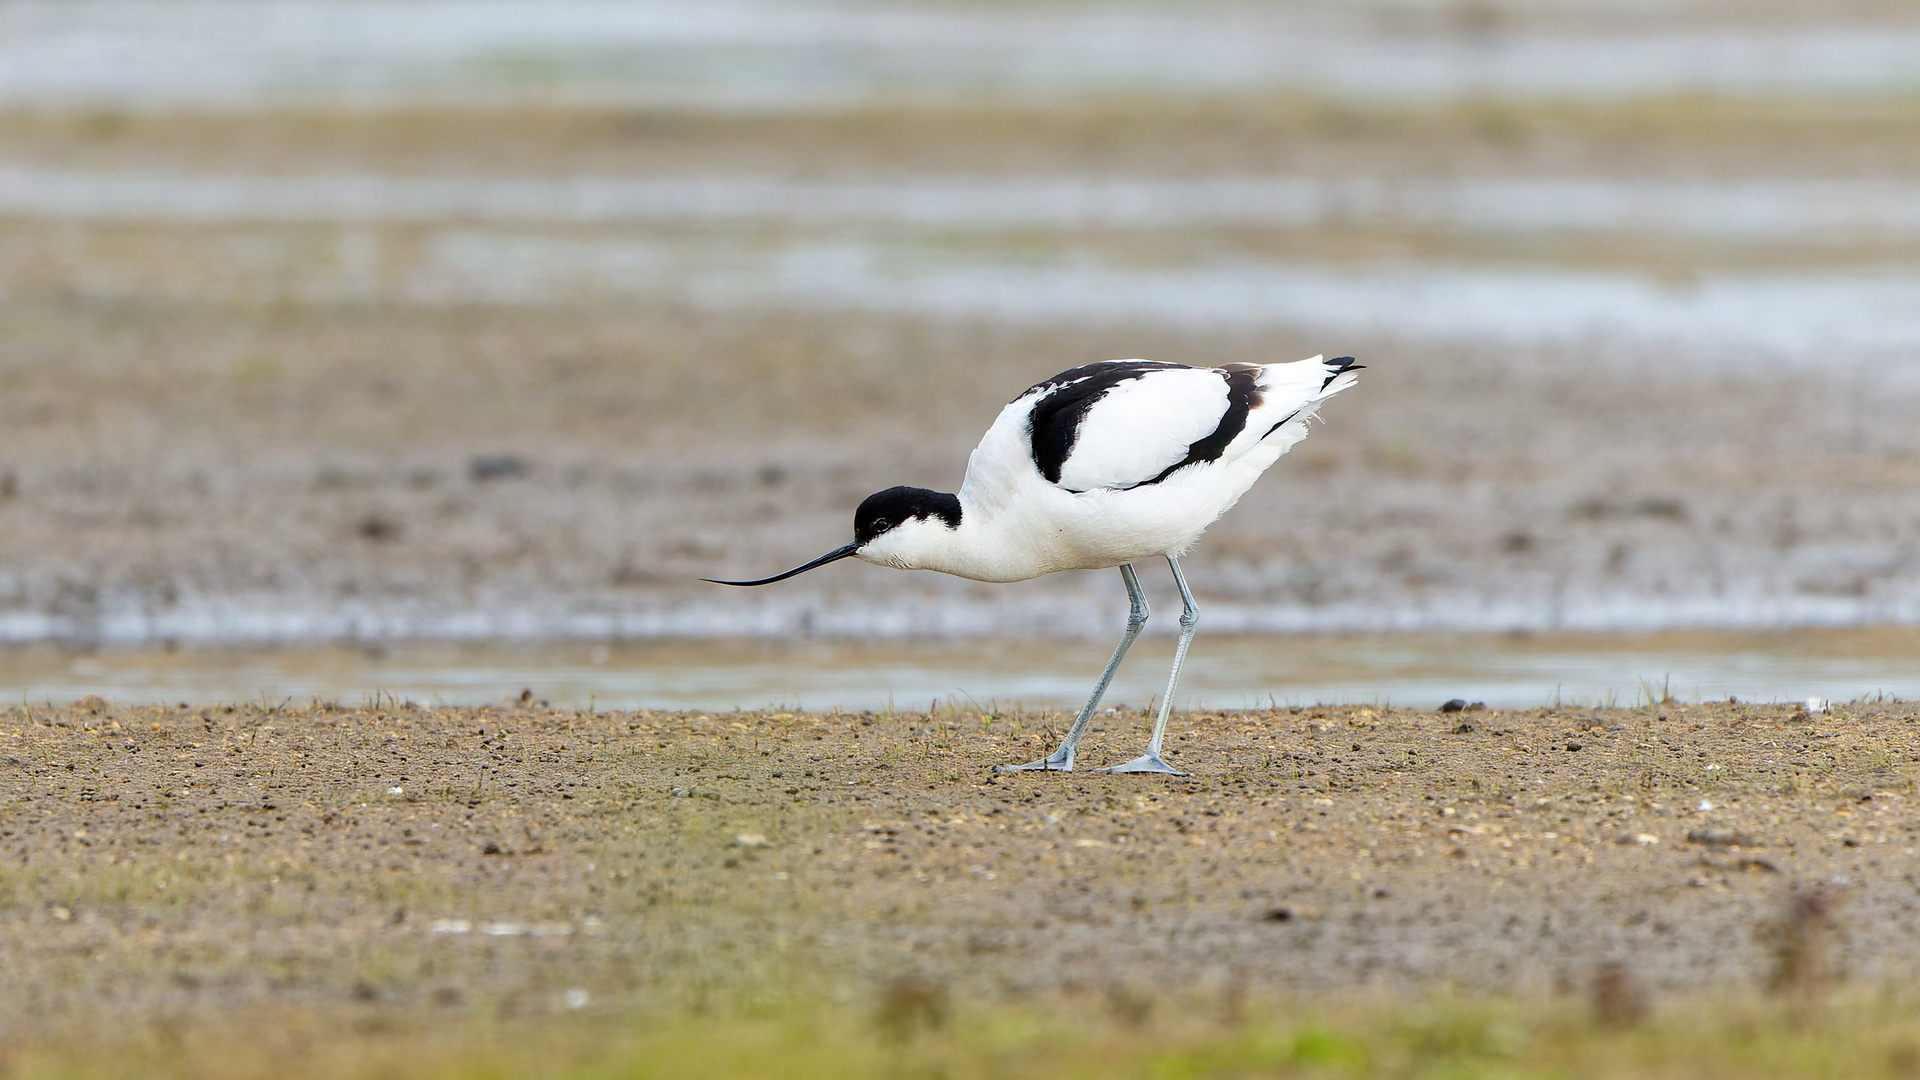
(1127,423)
(1144,426)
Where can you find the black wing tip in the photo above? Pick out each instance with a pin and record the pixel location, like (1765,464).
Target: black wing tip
(1337,367)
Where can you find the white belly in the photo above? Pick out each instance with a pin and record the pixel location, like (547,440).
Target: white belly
(1043,528)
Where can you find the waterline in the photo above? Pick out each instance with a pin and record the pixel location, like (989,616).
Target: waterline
(1415,670)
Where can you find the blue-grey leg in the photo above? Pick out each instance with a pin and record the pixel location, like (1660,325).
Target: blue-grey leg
(1062,759)
(1189,618)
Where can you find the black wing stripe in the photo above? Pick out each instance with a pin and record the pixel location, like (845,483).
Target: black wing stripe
(1283,423)
(1243,396)
(1054,422)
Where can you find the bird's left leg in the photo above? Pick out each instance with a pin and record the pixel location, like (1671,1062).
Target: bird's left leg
(1061,760)
(1151,761)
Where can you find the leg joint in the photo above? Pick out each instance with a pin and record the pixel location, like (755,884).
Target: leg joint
(1189,618)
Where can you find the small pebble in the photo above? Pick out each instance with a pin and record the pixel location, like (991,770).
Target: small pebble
(1718,836)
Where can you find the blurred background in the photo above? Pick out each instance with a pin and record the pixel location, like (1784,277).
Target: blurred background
(441,345)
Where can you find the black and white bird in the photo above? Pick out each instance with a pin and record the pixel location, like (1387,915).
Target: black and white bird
(1099,467)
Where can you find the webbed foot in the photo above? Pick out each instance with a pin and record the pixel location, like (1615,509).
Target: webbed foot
(1146,763)
(1051,763)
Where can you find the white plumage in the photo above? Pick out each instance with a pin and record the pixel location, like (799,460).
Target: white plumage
(1097,467)
(1107,508)
(1137,429)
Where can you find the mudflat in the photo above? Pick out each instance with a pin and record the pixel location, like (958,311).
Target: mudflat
(374,876)
(422,373)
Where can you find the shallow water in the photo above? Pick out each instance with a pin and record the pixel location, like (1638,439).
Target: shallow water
(762,56)
(515,241)
(1833,212)
(1743,319)
(1745,316)
(1223,672)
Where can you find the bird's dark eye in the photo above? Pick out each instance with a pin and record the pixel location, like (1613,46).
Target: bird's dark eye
(881,525)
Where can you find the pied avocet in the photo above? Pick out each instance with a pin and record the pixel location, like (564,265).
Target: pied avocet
(1098,467)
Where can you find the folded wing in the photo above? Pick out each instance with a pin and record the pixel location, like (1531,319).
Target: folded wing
(1145,427)
(1131,423)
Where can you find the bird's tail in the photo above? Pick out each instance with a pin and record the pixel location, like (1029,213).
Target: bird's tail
(1292,395)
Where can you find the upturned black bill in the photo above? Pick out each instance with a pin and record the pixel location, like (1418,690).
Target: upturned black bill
(832,556)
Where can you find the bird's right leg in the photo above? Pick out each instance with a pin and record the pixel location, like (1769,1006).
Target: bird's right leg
(1062,759)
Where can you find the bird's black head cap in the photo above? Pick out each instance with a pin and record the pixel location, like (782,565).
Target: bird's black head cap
(881,512)
(884,510)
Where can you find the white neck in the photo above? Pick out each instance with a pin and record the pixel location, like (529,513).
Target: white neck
(985,546)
